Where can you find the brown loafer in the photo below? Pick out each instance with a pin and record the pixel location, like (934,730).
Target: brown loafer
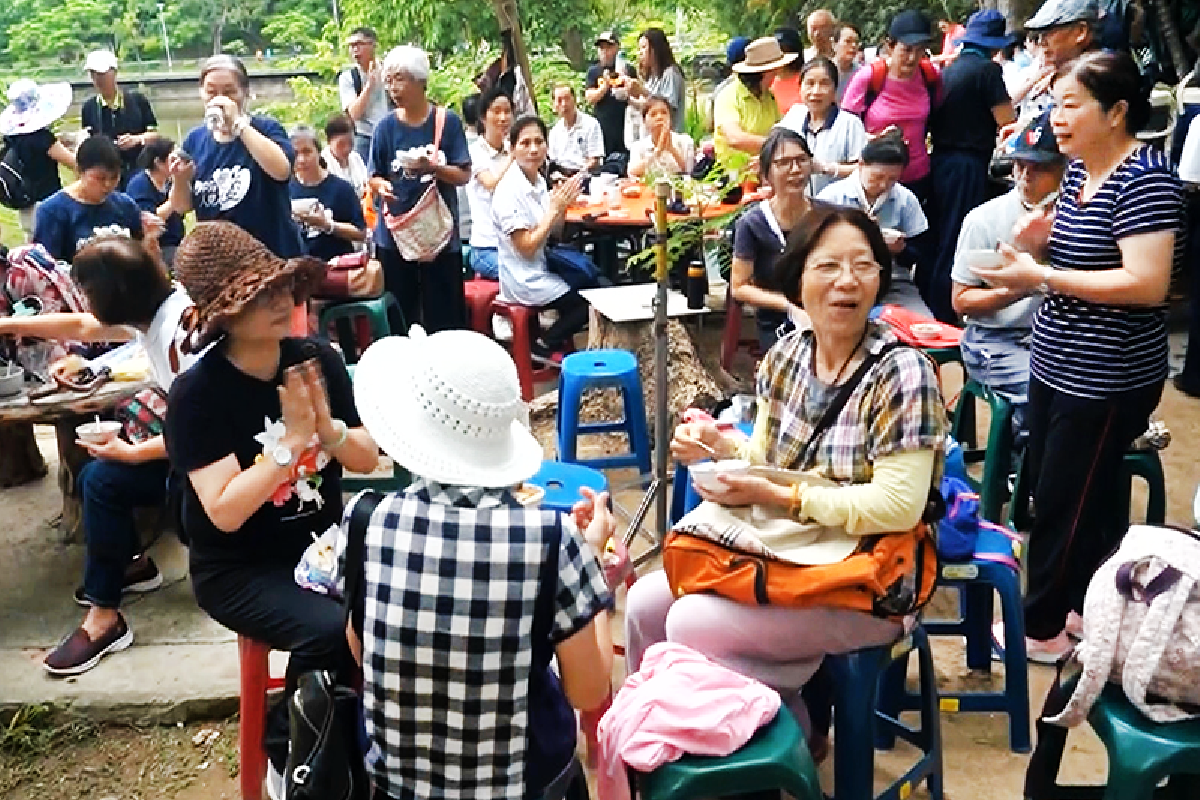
(77,653)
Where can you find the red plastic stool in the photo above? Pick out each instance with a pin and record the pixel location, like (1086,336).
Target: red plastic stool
(731,338)
(480,294)
(524,327)
(256,681)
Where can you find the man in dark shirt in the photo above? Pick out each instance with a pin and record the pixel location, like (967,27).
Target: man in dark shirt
(607,92)
(963,129)
(123,115)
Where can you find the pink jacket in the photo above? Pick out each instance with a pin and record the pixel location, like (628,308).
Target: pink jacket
(678,702)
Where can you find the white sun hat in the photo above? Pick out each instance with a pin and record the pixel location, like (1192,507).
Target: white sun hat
(33,107)
(447,407)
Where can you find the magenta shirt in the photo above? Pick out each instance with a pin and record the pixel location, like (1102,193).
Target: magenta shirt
(901,103)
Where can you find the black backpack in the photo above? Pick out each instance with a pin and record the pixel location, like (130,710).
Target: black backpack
(14,193)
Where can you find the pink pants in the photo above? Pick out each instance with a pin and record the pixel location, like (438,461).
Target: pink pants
(781,647)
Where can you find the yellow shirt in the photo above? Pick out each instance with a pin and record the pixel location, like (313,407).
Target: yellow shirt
(752,114)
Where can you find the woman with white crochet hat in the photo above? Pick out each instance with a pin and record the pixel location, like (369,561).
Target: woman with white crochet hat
(25,126)
(467,595)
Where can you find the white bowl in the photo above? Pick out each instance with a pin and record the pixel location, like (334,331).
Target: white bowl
(101,432)
(891,235)
(925,330)
(705,474)
(12,380)
(985,259)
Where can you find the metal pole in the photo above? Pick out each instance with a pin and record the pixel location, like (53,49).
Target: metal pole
(337,19)
(162,21)
(662,438)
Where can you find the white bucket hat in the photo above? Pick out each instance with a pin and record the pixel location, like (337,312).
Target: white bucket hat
(447,407)
(32,107)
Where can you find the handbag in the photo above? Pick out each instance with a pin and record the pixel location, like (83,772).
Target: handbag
(354,275)
(573,266)
(425,229)
(888,574)
(142,416)
(325,760)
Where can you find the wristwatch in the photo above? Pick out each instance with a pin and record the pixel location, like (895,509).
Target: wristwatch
(281,454)
(1044,286)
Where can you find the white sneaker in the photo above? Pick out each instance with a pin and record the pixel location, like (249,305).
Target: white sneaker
(275,785)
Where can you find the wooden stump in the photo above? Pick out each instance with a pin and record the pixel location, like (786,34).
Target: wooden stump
(20,460)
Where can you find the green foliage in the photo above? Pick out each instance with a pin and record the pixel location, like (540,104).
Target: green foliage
(35,729)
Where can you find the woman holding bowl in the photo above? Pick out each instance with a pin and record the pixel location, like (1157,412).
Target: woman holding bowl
(1099,354)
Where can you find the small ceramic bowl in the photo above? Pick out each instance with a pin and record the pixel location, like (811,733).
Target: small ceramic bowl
(101,432)
(705,474)
(12,379)
(925,330)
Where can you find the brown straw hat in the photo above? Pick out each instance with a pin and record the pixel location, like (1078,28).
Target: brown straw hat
(224,268)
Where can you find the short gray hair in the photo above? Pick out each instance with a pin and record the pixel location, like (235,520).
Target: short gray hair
(408,59)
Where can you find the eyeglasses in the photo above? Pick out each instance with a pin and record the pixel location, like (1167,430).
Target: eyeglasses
(791,162)
(833,270)
(358,43)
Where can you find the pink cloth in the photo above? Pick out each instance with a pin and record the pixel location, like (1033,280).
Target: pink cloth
(678,702)
(904,104)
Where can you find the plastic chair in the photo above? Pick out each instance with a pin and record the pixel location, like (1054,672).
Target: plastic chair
(383,314)
(256,681)
(776,757)
(480,294)
(563,481)
(731,338)
(862,726)
(1141,753)
(600,369)
(996,455)
(1146,464)
(524,327)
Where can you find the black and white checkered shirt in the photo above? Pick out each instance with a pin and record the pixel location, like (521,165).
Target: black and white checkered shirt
(466,594)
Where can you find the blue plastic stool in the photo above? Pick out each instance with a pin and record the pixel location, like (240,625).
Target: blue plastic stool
(562,483)
(861,725)
(603,369)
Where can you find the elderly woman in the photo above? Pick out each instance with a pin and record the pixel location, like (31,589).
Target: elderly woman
(25,125)
(150,188)
(661,76)
(834,138)
(661,151)
(341,159)
(448,408)
(760,234)
(430,292)
(745,111)
(1099,353)
(254,495)
(236,166)
(326,207)
(883,450)
(526,215)
(491,158)
(906,96)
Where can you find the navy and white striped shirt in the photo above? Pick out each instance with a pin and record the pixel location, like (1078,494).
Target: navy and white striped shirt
(1094,350)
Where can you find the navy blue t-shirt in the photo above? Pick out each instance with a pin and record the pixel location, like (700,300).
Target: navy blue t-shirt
(230,185)
(64,225)
(339,197)
(143,192)
(393,137)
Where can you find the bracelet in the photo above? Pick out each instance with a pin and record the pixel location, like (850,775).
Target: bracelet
(239,125)
(343,434)
(794,506)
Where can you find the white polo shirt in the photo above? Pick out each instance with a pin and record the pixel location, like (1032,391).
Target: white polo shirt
(839,141)
(519,205)
(572,147)
(483,159)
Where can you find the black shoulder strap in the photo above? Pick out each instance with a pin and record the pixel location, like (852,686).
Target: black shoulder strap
(843,395)
(356,545)
(356,76)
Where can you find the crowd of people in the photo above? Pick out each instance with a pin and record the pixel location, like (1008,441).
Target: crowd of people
(879,188)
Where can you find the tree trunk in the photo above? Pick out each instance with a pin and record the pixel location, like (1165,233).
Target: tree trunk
(1015,11)
(20,459)
(509,17)
(1169,32)
(573,49)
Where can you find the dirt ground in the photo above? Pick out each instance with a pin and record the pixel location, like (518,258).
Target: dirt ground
(53,762)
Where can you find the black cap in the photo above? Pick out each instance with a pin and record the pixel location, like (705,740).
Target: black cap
(910,28)
(1035,143)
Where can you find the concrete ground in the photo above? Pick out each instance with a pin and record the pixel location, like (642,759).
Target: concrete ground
(184,666)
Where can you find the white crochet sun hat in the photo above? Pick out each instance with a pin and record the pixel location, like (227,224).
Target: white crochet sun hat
(447,407)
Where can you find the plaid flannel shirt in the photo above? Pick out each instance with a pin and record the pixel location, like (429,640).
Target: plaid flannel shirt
(455,581)
(896,408)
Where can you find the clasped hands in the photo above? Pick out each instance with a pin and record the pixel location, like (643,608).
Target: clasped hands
(305,408)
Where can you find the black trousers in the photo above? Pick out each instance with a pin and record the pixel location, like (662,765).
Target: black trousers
(1075,453)
(960,183)
(429,292)
(1190,377)
(265,603)
(572,317)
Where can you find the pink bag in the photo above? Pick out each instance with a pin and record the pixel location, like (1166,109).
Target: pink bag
(425,229)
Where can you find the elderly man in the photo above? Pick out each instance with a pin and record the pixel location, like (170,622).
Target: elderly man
(123,115)
(999,322)
(576,141)
(821,26)
(607,92)
(361,91)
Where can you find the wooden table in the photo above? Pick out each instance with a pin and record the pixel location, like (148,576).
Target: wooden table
(65,411)
(635,212)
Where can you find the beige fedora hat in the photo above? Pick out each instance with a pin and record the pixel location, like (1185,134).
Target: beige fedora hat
(763,55)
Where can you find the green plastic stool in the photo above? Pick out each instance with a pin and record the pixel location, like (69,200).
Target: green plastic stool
(1141,753)
(383,315)
(943,355)
(1147,464)
(776,757)
(996,454)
